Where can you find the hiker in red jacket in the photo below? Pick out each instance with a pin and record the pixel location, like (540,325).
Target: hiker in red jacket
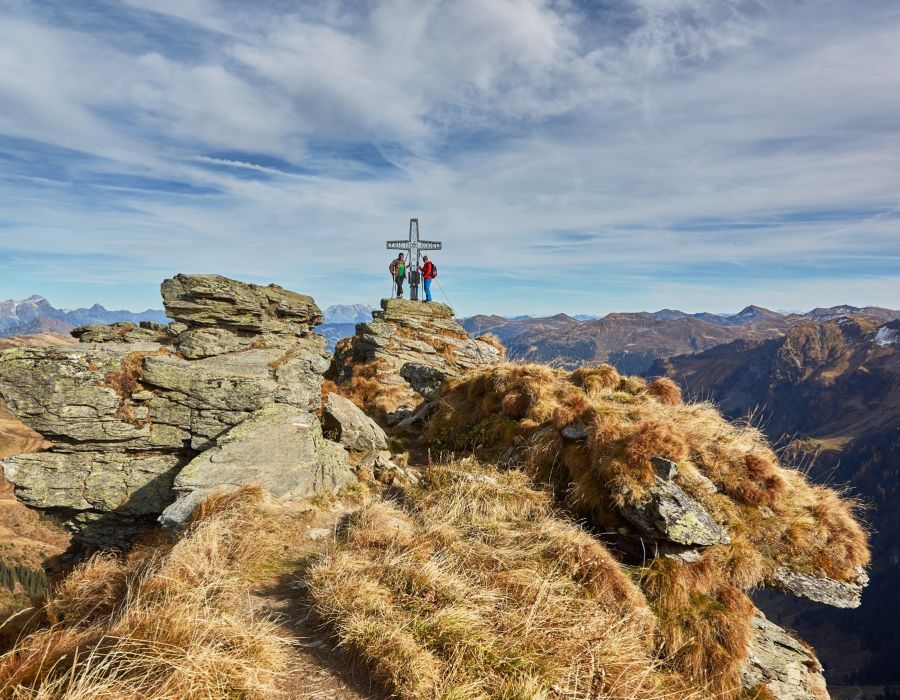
(429,272)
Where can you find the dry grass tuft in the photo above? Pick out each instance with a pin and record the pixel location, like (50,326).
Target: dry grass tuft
(666,391)
(173,621)
(475,589)
(375,387)
(773,515)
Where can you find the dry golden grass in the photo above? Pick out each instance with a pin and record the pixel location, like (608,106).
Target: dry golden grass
(773,515)
(476,589)
(369,390)
(168,621)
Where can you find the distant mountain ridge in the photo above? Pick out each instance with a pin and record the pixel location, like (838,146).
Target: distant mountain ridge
(633,341)
(37,315)
(348,313)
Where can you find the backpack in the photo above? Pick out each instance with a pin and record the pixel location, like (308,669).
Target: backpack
(433,270)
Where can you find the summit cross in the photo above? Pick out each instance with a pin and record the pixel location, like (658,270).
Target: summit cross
(413,246)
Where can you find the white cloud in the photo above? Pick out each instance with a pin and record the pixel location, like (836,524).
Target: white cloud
(499,124)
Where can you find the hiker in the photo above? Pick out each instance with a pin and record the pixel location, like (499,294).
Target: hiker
(429,272)
(398,272)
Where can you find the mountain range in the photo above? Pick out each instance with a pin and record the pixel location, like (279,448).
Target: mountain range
(828,392)
(37,315)
(632,342)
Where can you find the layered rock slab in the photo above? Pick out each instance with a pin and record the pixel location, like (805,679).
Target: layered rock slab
(278,448)
(346,423)
(785,667)
(124,417)
(216,315)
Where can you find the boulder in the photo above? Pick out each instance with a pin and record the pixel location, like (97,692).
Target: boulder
(667,512)
(124,416)
(215,393)
(279,448)
(216,301)
(424,379)
(80,397)
(782,665)
(821,589)
(104,497)
(346,423)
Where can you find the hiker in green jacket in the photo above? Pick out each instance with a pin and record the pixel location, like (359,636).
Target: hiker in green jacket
(398,272)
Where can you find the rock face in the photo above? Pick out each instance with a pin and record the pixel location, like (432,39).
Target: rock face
(347,424)
(668,513)
(778,662)
(125,332)
(217,315)
(124,417)
(408,348)
(279,448)
(839,594)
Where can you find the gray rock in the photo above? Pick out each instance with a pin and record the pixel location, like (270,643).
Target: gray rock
(197,343)
(104,498)
(210,395)
(129,484)
(778,662)
(424,379)
(840,594)
(124,416)
(665,469)
(279,448)
(213,300)
(124,332)
(75,396)
(344,422)
(667,512)
(576,431)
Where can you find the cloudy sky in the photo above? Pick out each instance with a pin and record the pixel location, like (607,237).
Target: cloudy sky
(586,157)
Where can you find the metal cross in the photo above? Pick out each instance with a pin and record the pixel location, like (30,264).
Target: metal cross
(413,246)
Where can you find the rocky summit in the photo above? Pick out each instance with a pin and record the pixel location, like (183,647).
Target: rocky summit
(130,407)
(404,353)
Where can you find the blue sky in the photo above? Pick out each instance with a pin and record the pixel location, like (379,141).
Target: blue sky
(595,157)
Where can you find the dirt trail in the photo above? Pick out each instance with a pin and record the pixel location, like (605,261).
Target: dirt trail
(318,670)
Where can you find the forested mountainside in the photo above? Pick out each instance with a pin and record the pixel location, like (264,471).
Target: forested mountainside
(828,391)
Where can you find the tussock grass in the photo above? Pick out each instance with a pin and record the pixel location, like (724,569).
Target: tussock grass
(168,621)
(474,588)
(375,387)
(773,515)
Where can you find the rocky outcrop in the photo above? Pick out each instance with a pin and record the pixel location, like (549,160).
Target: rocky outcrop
(125,332)
(216,315)
(125,417)
(278,448)
(821,589)
(666,512)
(343,421)
(407,348)
(779,663)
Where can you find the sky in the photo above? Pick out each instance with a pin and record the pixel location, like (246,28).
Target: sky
(579,157)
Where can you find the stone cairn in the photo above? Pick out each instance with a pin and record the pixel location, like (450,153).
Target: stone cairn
(138,416)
